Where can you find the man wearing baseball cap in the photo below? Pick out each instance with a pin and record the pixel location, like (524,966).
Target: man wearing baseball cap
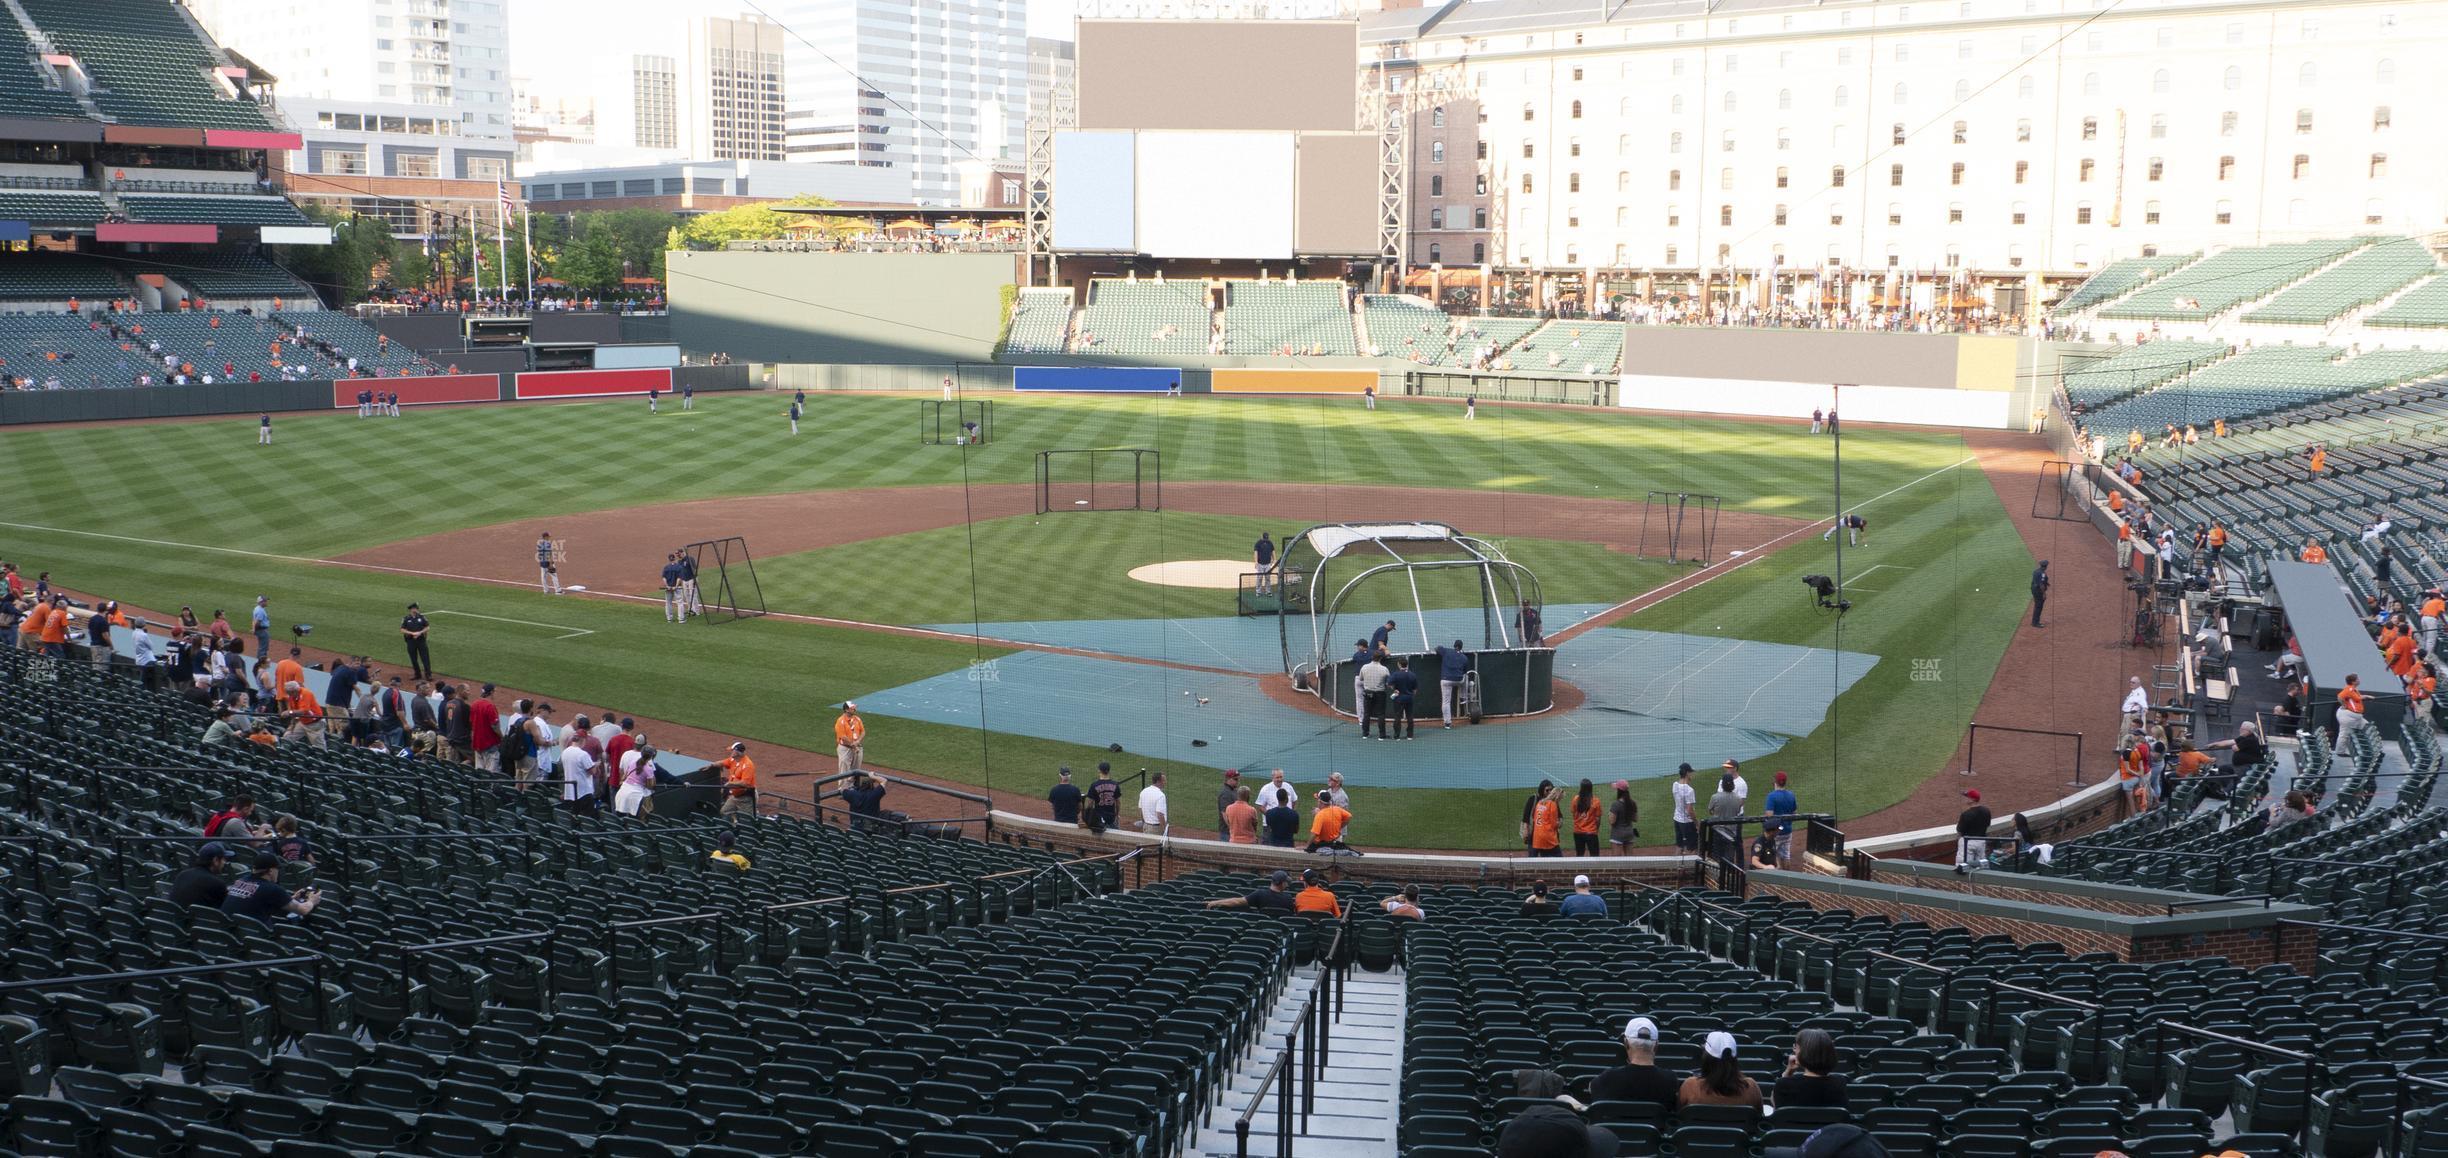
(1972,832)
(1064,797)
(849,738)
(1582,902)
(1275,898)
(1640,1078)
(201,883)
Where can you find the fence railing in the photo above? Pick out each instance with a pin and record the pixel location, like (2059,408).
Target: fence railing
(1311,1041)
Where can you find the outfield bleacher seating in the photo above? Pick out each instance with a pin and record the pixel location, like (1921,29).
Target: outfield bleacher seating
(24,91)
(1299,318)
(1571,346)
(1041,322)
(1402,326)
(2136,369)
(43,347)
(149,63)
(600,1010)
(2120,278)
(47,276)
(355,339)
(2223,281)
(2367,277)
(198,209)
(51,208)
(1478,335)
(2423,307)
(222,274)
(2262,381)
(1145,317)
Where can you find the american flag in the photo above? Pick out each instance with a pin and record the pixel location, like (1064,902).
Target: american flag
(503,191)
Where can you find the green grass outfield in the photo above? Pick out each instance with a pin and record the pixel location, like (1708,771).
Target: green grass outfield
(195,513)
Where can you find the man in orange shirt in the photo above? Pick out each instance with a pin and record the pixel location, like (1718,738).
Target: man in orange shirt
(2349,707)
(1315,897)
(2401,654)
(2116,502)
(739,782)
(2124,544)
(288,671)
(29,627)
(2319,460)
(2313,552)
(849,738)
(2433,606)
(305,713)
(55,629)
(2218,542)
(1326,825)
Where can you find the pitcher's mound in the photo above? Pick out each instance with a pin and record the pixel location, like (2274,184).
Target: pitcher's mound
(1217,574)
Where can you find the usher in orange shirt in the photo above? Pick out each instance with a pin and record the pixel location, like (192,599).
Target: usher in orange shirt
(1543,824)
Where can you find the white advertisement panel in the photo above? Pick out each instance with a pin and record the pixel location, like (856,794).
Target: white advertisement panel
(297,235)
(1222,195)
(1908,405)
(1093,201)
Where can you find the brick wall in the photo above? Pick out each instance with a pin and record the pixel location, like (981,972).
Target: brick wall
(1991,885)
(2076,941)
(2250,948)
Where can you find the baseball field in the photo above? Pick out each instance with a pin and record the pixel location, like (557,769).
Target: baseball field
(1041,648)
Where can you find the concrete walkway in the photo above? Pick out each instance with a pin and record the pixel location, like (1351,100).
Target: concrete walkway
(1358,1093)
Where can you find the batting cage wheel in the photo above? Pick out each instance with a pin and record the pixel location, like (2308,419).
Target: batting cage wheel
(1107,479)
(955,422)
(727,585)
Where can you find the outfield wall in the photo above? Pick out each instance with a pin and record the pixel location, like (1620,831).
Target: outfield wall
(875,308)
(1919,379)
(32,407)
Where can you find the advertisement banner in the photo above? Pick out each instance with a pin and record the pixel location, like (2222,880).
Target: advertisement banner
(591,383)
(1097,379)
(1293,381)
(432,390)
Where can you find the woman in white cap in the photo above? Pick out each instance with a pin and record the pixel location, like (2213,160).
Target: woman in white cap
(1720,1081)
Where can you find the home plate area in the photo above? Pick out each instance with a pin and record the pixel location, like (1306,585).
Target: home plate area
(1652,700)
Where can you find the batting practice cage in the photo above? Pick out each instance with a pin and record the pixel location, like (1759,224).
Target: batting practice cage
(1437,585)
(1679,527)
(1111,479)
(726,579)
(959,422)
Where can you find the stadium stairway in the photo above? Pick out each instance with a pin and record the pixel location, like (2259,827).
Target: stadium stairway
(1357,1108)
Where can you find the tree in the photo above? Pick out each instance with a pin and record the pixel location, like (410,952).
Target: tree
(758,222)
(592,261)
(412,269)
(343,270)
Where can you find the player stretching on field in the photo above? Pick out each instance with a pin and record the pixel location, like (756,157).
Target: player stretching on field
(548,570)
(652,394)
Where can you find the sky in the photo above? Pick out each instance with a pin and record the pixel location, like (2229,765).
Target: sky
(556,42)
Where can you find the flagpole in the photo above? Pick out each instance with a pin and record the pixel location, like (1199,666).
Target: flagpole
(527,243)
(501,234)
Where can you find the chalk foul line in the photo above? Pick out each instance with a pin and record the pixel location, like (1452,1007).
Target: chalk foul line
(573,632)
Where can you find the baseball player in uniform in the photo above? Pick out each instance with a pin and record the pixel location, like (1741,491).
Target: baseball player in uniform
(689,604)
(675,608)
(794,417)
(548,571)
